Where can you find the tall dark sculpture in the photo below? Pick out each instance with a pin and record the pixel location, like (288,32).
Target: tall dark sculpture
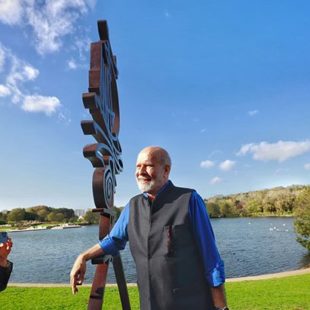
(105,155)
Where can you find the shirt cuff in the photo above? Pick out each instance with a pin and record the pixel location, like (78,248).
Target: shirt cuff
(109,246)
(216,277)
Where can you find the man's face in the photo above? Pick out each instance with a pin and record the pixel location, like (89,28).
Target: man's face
(151,175)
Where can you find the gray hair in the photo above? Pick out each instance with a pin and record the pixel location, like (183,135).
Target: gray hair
(160,153)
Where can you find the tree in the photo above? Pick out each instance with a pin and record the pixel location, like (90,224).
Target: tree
(3,218)
(42,214)
(67,213)
(16,215)
(30,216)
(213,209)
(227,209)
(41,211)
(91,217)
(55,216)
(254,206)
(302,219)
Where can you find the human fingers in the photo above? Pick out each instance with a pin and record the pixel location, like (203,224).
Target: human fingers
(5,249)
(9,245)
(76,278)
(73,283)
(79,281)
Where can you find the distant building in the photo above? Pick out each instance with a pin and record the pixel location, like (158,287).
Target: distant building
(80,212)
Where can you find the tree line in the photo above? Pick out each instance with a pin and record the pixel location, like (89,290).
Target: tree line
(45,214)
(38,213)
(279,201)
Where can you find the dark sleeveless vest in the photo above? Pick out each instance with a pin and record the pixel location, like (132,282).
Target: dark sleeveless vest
(170,273)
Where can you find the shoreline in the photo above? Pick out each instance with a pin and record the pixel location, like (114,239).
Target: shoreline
(241,279)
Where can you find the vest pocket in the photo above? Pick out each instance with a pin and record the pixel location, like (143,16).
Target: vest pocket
(174,238)
(168,240)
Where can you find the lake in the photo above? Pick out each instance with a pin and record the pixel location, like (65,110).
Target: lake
(249,246)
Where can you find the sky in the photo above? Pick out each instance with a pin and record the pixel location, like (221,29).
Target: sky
(224,86)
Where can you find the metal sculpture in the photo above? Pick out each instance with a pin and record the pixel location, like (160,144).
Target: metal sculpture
(105,155)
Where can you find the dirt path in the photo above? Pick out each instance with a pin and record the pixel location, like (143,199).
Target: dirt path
(252,278)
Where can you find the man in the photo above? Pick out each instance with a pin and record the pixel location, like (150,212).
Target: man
(171,240)
(5,265)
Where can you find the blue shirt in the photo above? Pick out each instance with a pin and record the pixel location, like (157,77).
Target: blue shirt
(203,233)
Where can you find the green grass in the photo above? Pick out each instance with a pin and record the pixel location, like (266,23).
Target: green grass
(290,293)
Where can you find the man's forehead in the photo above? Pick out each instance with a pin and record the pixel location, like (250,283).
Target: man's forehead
(148,156)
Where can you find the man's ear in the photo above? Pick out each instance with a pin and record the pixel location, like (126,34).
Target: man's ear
(167,170)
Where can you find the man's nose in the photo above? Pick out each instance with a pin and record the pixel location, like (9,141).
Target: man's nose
(141,169)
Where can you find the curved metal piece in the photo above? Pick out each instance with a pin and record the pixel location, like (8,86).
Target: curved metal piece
(102,103)
(105,154)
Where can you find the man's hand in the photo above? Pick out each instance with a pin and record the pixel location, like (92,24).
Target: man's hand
(77,273)
(219,296)
(79,267)
(5,249)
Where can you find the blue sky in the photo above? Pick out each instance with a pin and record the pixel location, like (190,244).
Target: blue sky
(223,85)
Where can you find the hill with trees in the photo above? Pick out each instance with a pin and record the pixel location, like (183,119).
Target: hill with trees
(278,201)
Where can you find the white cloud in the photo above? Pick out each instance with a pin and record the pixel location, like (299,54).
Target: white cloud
(307,166)
(280,151)
(50,20)
(253,112)
(227,165)
(64,117)
(215,180)
(4,91)
(2,57)
(206,164)
(16,74)
(11,11)
(82,45)
(38,103)
(72,64)
(30,72)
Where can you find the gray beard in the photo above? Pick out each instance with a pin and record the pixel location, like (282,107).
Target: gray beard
(146,187)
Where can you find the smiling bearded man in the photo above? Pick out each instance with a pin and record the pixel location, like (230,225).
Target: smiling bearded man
(152,170)
(171,240)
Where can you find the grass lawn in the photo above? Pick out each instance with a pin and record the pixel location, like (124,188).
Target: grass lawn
(290,293)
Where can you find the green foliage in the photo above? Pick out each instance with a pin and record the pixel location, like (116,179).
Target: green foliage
(278,201)
(16,215)
(214,210)
(55,216)
(91,217)
(40,211)
(3,218)
(67,213)
(302,219)
(290,293)
(37,214)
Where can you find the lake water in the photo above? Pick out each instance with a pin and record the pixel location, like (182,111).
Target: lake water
(249,246)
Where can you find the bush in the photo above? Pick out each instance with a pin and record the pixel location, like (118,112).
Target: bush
(302,219)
